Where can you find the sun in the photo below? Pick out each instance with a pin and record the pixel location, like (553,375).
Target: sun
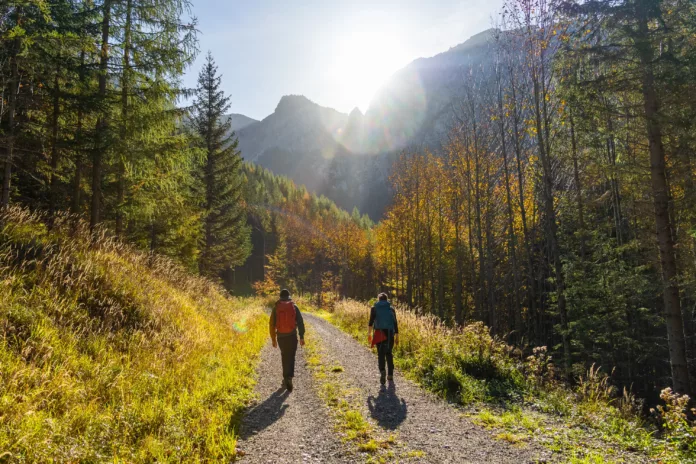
(363,61)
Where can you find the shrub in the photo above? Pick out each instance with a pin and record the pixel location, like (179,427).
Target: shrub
(678,430)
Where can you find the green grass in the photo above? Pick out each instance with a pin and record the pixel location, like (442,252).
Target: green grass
(512,438)
(113,355)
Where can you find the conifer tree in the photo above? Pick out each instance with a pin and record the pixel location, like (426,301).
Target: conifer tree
(226,235)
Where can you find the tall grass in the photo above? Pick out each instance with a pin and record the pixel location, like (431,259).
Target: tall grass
(109,354)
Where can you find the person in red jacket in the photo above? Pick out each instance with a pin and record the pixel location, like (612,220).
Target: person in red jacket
(285,324)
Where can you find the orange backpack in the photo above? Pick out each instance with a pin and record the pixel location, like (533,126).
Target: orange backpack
(285,317)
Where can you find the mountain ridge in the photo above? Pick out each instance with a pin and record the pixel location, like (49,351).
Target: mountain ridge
(343,156)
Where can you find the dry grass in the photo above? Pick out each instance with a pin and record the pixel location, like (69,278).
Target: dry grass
(109,354)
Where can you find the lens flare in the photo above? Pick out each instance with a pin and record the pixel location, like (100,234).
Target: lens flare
(240,326)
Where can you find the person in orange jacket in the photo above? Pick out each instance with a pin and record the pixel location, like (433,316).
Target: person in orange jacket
(285,324)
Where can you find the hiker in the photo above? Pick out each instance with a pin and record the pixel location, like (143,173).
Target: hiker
(286,321)
(386,335)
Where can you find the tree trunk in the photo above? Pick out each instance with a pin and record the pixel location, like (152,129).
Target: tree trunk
(578,186)
(121,181)
(531,283)
(77,181)
(95,216)
(512,238)
(541,122)
(658,176)
(12,108)
(459,261)
(53,184)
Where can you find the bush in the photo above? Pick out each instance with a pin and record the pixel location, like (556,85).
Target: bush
(678,430)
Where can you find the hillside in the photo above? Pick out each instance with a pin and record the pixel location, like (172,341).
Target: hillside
(114,355)
(239,121)
(297,236)
(109,354)
(298,140)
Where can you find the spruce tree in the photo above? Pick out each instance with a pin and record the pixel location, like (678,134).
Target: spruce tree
(226,241)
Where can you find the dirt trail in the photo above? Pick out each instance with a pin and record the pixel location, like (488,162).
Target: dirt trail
(284,427)
(421,421)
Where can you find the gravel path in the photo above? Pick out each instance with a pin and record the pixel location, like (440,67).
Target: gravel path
(421,420)
(287,427)
(296,428)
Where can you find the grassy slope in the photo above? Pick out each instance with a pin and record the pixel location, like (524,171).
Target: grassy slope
(109,355)
(519,398)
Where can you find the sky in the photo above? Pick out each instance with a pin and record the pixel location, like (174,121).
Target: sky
(336,53)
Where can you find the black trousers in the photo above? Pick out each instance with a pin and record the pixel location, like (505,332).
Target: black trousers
(288,348)
(385,356)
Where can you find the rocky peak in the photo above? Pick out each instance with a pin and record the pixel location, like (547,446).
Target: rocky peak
(292,103)
(355,114)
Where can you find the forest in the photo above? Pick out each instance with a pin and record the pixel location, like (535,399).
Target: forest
(560,211)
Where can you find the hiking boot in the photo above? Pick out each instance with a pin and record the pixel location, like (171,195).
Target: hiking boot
(382,378)
(288,384)
(390,378)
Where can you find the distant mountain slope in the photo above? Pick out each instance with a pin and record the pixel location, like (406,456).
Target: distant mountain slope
(348,157)
(418,104)
(239,121)
(298,140)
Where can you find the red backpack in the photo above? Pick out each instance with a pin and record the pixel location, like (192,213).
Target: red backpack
(285,317)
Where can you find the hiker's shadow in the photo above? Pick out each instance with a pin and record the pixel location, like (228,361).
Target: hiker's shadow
(387,408)
(264,414)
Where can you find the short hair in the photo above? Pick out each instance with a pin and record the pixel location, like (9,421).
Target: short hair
(382,296)
(284,293)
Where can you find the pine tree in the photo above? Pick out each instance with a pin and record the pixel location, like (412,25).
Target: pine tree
(226,234)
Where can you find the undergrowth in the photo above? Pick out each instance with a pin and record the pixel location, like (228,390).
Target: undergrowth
(109,354)
(520,397)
